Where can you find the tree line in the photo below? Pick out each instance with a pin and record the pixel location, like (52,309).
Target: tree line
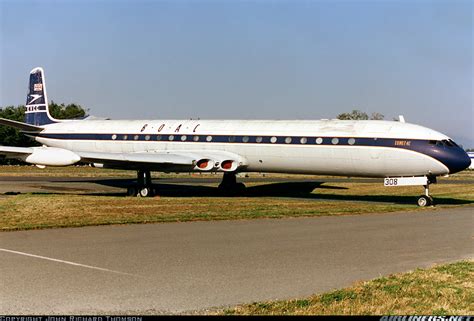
(12,137)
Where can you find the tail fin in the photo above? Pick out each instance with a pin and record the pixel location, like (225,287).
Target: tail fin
(37,112)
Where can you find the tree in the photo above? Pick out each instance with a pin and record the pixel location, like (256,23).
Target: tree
(377,116)
(359,115)
(12,137)
(63,111)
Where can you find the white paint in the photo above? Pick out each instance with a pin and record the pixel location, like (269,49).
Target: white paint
(405,181)
(51,156)
(65,262)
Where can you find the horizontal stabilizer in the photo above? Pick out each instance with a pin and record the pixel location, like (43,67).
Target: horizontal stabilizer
(22,126)
(13,151)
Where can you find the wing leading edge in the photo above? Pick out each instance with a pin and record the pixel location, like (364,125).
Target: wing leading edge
(152,160)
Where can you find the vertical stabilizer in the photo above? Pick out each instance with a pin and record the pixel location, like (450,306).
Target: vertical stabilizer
(37,112)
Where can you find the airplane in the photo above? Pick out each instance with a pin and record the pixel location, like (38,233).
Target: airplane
(471,156)
(401,153)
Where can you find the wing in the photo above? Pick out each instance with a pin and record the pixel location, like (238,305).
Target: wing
(183,160)
(151,160)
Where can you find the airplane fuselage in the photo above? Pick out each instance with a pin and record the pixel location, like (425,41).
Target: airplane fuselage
(330,147)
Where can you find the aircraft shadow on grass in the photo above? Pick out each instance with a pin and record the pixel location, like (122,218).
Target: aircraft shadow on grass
(302,190)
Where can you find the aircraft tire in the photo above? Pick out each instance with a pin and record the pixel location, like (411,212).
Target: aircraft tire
(131,191)
(424,201)
(145,192)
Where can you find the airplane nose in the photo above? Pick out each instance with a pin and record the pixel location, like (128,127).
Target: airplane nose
(456,160)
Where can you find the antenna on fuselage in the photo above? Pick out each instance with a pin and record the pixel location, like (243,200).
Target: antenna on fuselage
(401,118)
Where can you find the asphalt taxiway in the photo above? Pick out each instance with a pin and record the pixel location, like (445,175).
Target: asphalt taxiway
(194,266)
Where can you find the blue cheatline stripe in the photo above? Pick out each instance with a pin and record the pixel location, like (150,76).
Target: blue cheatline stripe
(449,156)
(241,139)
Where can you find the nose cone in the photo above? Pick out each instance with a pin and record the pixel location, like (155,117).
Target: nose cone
(456,159)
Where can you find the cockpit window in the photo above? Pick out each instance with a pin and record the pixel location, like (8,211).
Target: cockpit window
(448,143)
(443,143)
(452,142)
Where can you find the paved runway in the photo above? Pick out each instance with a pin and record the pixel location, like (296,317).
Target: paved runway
(183,267)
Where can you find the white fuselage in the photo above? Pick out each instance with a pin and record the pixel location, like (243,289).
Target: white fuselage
(302,155)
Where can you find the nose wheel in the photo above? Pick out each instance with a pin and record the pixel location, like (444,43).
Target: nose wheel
(427,200)
(424,200)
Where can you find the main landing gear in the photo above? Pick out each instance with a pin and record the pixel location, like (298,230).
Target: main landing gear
(229,185)
(144,187)
(427,199)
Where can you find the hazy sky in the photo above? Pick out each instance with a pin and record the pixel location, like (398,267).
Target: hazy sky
(247,59)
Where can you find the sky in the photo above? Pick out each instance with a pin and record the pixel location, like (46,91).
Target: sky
(246,59)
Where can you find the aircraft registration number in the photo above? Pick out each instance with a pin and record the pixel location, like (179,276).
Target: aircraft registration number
(405,181)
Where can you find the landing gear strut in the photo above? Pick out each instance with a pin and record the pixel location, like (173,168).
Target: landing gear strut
(426,199)
(229,185)
(144,187)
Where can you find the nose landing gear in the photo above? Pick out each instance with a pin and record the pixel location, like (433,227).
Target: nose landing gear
(425,181)
(427,199)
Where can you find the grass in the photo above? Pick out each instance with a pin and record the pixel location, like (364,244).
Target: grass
(72,207)
(441,290)
(43,210)
(87,171)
